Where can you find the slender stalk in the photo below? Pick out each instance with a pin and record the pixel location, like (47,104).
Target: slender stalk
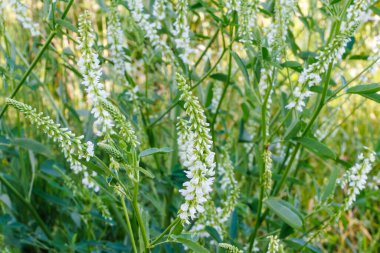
(129,225)
(37,59)
(139,217)
(175,222)
(176,101)
(29,206)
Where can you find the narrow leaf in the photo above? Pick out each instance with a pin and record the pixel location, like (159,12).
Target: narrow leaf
(317,147)
(284,212)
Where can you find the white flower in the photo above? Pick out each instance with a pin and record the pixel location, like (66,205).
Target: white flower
(116,41)
(217,94)
(21,11)
(182,31)
(356,177)
(275,245)
(267,176)
(150,28)
(194,142)
(71,146)
(248,10)
(90,69)
(278,30)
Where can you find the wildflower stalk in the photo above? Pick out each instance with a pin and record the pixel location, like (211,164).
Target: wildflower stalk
(29,206)
(167,229)
(37,59)
(129,225)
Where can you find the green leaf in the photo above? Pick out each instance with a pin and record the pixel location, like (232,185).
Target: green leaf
(33,145)
(242,66)
(67,25)
(146,172)
(292,65)
(191,245)
(375,97)
(316,147)
(330,187)
(214,234)
(375,10)
(365,88)
(152,151)
(219,76)
(281,209)
(298,243)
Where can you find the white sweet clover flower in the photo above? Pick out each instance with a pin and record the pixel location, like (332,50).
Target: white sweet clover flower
(217,217)
(248,10)
(136,8)
(233,5)
(217,94)
(275,245)
(125,128)
(21,10)
(91,71)
(230,248)
(116,41)
(159,9)
(267,176)
(182,31)
(70,144)
(195,153)
(278,30)
(298,101)
(356,177)
(374,183)
(331,54)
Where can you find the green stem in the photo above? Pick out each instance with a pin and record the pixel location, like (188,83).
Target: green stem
(38,57)
(129,225)
(139,218)
(28,206)
(175,222)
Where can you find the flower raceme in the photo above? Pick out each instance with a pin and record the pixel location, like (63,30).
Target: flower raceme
(182,31)
(91,71)
(356,177)
(116,41)
(69,143)
(194,144)
(331,54)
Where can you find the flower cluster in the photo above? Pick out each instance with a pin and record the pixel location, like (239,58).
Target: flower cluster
(267,175)
(91,71)
(126,130)
(247,19)
(195,143)
(355,178)
(278,29)
(233,5)
(150,28)
(21,10)
(116,41)
(230,248)
(159,9)
(217,217)
(275,245)
(331,54)
(72,146)
(182,32)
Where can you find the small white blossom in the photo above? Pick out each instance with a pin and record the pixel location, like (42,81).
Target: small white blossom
(91,71)
(195,143)
(182,31)
(356,177)
(248,10)
(72,146)
(275,245)
(150,28)
(21,10)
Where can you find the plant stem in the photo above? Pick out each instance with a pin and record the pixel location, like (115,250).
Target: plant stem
(26,203)
(129,225)
(38,57)
(175,222)
(139,218)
